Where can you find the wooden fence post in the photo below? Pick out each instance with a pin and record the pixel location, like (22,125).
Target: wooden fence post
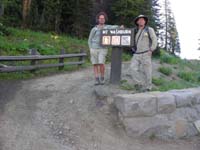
(81,58)
(61,60)
(33,62)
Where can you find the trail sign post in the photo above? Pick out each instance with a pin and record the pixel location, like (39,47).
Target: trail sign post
(117,39)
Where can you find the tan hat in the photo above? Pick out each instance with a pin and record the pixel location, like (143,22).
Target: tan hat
(141,16)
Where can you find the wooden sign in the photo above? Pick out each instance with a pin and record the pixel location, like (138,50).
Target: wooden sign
(117,37)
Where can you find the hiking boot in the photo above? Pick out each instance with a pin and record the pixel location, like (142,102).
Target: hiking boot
(144,90)
(97,81)
(102,81)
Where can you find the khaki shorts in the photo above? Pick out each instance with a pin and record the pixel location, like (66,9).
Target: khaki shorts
(98,56)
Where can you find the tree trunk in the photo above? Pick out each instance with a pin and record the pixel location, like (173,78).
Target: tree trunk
(166,26)
(1,9)
(25,11)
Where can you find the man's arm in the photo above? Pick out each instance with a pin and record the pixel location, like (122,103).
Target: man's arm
(112,26)
(92,32)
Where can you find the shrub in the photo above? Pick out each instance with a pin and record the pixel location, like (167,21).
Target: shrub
(126,86)
(169,59)
(126,56)
(165,70)
(176,85)
(158,81)
(3,30)
(187,76)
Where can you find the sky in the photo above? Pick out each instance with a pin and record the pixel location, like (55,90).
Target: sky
(187,19)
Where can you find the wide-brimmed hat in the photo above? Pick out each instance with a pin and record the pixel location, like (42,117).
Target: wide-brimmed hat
(141,16)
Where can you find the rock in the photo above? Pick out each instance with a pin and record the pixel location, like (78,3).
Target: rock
(181,128)
(157,125)
(183,98)
(71,101)
(196,98)
(197,107)
(110,100)
(136,105)
(189,114)
(166,103)
(192,130)
(102,92)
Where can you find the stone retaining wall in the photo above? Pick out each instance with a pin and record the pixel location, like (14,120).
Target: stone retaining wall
(165,115)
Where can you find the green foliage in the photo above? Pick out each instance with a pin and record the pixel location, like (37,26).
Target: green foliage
(75,17)
(46,43)
(164,85)
(187,76)
(169,59)
(21,41)
(187,71)
(126,86)
(126,56)
(12,13)
(126,11)
(176,85)
(158,81)
(165,70)
(4,31)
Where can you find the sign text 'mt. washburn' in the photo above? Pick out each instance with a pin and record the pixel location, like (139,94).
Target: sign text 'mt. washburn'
(117,31)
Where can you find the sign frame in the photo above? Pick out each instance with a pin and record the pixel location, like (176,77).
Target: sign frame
(117,37)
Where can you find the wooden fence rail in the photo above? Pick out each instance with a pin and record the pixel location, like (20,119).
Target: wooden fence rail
(36,58)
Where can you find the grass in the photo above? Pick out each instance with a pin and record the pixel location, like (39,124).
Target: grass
(165,85)
(20,41)
(158,81)
(186,73)
(165,70)
(189,76)
(169,59)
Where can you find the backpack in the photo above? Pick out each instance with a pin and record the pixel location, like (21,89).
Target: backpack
(134,48)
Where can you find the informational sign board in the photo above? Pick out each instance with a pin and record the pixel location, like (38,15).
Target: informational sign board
(117,37)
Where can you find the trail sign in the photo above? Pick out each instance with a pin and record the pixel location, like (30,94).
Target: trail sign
(117,37)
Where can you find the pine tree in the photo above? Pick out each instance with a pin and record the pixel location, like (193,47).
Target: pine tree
(75,17)
(174,46)
(46,15)
(126,10)
(156,24)
(169,35)
(80,26)
(12,12)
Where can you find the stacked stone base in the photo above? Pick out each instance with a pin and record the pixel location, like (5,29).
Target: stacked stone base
(164,115)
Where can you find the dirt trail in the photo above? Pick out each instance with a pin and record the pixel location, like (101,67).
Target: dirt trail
(61,112)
